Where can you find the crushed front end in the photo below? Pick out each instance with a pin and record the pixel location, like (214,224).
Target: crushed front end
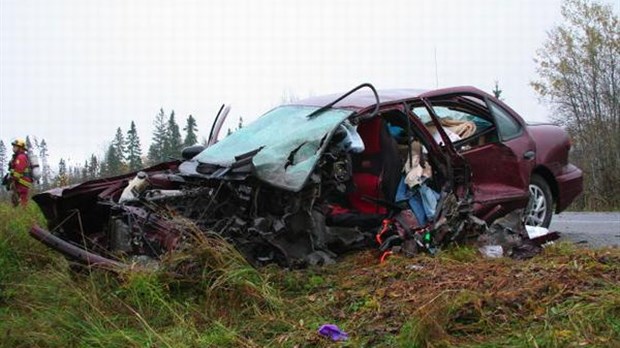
(299,186)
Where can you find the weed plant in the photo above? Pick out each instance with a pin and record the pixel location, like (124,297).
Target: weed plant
(207,295)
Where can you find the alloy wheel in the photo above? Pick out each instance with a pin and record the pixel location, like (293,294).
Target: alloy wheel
(538,207)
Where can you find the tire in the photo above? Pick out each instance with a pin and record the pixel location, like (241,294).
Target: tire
(540,206)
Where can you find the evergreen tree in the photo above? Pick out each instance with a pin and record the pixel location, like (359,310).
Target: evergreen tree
(34,145)
(84,171)
(62,167)
(134,152)
(156,150)
(93,167)
(112,164)
(173,143)
(3,159)
(239,126)
(28,143)
(74,177)
(497,92)
(190,128)
(46,173)
(120,148)
(62,179)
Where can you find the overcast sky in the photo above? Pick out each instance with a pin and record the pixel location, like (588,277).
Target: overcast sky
(72,71)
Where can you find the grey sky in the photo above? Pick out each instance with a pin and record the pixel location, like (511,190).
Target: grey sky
(72,71)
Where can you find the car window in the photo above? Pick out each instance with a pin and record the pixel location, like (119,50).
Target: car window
(508,127)
(445,112)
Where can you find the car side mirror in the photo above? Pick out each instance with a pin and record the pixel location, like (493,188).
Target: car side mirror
(191,151)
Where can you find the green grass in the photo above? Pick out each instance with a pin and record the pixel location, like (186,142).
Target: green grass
(208,296)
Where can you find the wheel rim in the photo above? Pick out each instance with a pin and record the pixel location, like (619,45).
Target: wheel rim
(538,207)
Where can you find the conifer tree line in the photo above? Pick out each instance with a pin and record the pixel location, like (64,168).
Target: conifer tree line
(123,154)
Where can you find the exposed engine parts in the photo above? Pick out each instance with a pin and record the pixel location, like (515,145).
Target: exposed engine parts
(409,172)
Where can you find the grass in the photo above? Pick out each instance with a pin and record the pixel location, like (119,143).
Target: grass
(208,296)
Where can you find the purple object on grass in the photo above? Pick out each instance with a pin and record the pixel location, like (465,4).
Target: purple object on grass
(332,331)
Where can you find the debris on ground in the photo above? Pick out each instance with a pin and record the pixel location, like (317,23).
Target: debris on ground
(333,332)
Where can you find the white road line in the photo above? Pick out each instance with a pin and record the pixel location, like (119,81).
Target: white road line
(587,222)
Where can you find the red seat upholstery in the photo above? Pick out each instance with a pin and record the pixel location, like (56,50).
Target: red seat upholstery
(367,185)
(368,168)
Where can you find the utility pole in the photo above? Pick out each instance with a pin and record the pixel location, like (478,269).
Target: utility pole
(436,73)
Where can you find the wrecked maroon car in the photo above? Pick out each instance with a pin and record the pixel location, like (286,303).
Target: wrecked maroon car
(398,170)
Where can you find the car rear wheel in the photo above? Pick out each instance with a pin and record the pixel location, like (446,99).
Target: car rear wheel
(541,203)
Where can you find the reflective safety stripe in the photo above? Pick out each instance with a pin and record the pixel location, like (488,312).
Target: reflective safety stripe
(21,179)
(23,182)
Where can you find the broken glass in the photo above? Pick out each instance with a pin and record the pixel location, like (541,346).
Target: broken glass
(289,144)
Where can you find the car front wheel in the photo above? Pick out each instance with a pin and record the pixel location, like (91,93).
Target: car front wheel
(541,203)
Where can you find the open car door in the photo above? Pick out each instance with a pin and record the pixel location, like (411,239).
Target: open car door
(498,150)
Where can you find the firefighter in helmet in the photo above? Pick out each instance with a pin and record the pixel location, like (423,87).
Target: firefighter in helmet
(20,176)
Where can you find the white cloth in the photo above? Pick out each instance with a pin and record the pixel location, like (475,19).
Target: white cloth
(413,171)
(415,174)
(453,136)
(437,137)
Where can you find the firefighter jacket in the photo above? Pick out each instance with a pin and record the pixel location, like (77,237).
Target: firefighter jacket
(19,170)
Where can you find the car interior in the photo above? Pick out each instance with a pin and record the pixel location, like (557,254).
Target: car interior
(377,173)
(391,139)
(472,129)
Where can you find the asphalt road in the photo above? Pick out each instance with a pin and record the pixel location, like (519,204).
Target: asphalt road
(594,230)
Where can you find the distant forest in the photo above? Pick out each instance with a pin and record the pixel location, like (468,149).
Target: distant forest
(123,154)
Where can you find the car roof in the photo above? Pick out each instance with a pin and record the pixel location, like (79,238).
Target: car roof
(364,98)
(361,99)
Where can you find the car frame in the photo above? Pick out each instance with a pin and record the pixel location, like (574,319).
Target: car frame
(269,187)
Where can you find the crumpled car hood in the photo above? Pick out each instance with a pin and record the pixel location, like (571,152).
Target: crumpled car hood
(289,145)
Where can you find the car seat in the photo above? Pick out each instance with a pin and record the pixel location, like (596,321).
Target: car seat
(377,170)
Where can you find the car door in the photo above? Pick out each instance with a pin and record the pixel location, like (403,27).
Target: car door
(501,157)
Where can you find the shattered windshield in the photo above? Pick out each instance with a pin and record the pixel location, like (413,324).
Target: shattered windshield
(289,143)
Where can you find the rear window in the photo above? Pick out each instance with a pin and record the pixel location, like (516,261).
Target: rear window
(508,127)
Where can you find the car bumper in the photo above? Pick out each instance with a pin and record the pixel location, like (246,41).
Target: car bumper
(72,251)
(570,185)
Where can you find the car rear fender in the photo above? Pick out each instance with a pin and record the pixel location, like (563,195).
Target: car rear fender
(546,174)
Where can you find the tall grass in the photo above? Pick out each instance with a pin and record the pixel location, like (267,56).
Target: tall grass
(195,299)
(207,295)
